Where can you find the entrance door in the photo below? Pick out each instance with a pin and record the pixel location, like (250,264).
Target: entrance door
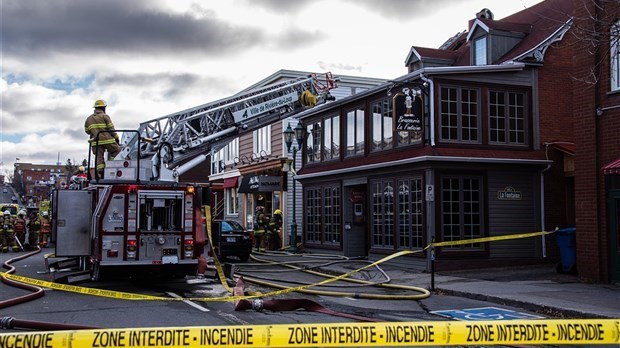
(614,235)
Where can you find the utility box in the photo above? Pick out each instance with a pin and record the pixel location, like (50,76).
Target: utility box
(72,220)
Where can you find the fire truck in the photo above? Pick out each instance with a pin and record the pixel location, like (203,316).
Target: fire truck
(139,218)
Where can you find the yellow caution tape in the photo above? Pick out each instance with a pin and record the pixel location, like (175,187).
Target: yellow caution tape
(391,334)
(492,239)
(218,265)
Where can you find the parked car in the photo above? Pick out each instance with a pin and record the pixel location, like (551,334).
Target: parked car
(231,239)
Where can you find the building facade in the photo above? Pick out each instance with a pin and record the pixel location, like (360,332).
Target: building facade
(596,111)
(255,168)
(34,182)
(478,140)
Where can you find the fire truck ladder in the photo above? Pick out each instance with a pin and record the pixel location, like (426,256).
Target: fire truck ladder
(186,135)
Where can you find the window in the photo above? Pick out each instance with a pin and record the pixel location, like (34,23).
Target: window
(323,215)
(460,119)
(331,138)
(217,162)
(410,223)
(615,56)
(355,132)
(262,141)
(480,51)
(397,215)
(507,118)
(331,206)
(382,127)
(383,214)
(461,211)
(313,142)
(232,201)
(313,215)
(231,151)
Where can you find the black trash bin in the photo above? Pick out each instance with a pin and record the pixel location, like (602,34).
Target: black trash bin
(566,241)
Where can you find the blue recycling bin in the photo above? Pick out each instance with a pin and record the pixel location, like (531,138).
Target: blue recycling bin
(566,241)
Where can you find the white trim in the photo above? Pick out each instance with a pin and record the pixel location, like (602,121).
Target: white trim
(477,23)
(421,159)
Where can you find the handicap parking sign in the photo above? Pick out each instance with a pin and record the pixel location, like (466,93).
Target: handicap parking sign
(485,313)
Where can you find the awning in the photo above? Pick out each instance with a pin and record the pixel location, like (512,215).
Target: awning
(231,182)
(567,148)
(612,167)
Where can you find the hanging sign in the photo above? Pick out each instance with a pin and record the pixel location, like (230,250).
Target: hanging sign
(408,111)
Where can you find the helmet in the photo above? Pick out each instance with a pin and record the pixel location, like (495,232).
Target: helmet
(6,212)
(100,104)
(277,212)
(81,168)
(22,212)
(259,208)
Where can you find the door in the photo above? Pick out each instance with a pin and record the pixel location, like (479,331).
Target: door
(614,235)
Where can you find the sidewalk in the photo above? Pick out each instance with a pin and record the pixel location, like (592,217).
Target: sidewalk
(537,288)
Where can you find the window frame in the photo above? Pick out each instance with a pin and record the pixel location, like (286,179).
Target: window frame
(481,56)
(261,140)
(358,126)
(458,114)
(231,197)
(462,212)
(509,117)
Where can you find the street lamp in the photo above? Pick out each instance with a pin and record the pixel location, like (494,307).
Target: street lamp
(298,133)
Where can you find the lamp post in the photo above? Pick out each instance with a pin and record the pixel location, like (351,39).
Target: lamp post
(298,133)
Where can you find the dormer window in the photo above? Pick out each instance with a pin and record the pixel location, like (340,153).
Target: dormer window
(480,51)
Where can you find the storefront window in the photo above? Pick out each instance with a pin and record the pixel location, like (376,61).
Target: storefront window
(232,201)
(323,215)
(461,211)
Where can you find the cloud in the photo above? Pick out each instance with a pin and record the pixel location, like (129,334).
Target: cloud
(44,28)
(280,6)
(403,9)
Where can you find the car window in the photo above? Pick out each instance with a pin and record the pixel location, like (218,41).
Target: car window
(230,226)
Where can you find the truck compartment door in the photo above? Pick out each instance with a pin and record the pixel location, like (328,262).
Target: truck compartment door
(73,222)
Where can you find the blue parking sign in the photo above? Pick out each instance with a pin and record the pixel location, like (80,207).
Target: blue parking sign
(485,313)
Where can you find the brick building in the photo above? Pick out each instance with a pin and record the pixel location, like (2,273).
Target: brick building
(596,111)
(35,181)
(489,135)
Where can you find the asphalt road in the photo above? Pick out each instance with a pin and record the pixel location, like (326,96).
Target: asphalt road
(57,306)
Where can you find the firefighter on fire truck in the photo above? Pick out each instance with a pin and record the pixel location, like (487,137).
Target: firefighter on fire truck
(106,141)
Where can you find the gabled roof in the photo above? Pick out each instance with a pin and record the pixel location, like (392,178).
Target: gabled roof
(541,25)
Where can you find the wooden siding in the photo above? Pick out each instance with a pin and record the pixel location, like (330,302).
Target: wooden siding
(514,216)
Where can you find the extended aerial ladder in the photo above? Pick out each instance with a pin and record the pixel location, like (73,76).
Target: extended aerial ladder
(171,145)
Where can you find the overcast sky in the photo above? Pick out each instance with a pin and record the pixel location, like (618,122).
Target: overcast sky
(149,58)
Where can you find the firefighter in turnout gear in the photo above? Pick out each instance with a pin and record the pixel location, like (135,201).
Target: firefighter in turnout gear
(273,236)
(7,233)
(106,141)
(261,222)
(34,226)
(20,226)
(46,229)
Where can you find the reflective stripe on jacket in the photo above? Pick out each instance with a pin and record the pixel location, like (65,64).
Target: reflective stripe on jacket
(97,122)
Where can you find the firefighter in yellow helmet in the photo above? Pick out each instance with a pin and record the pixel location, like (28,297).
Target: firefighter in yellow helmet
(275,224)
(106,141)
(7,233)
